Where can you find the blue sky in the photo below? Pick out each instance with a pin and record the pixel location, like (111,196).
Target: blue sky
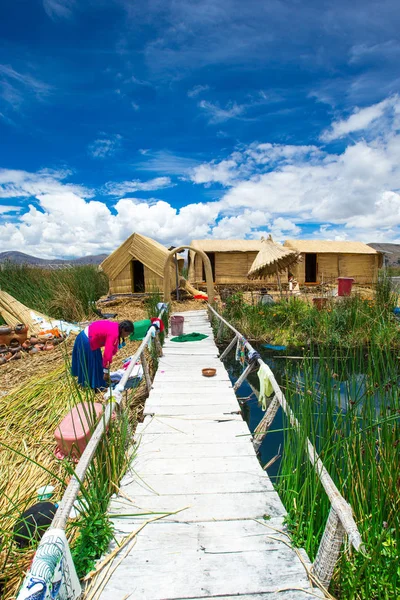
(186,120)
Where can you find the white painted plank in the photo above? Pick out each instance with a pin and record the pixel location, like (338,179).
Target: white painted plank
(211,483)
(153,465)
(188,375)
(202,426)
(200,507)
(191,409)
(185,399)
(151,446)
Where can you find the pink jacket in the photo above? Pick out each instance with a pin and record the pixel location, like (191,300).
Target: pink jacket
(104,333)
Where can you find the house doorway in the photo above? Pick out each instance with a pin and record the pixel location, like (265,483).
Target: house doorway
(138,276)
(311,268)
(211,256)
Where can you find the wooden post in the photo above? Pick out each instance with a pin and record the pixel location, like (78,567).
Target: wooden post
(243,376)
(158,345)
(146,371)
(262,428)
(220,330)
(176,278)
(279,282)
(228,349)
(329,549)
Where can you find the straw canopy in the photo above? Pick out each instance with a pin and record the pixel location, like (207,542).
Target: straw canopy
(271,259)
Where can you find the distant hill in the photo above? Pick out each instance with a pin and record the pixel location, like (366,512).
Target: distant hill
(393,252)
(20,258)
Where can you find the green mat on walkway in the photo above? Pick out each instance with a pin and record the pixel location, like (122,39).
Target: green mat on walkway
(189,337)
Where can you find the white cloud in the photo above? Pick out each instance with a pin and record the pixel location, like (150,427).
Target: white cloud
(223,172)
(218,114)
(8,209)
(105,146)
(22,184)
(59,9)
(196,90)
(360,120)
(273,188)
(14,86)
(128,187)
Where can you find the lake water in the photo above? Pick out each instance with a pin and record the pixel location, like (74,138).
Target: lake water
(251,411)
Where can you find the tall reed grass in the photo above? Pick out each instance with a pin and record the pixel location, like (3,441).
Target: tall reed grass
(348,321)
(28,419)
(62,293)
(348,405)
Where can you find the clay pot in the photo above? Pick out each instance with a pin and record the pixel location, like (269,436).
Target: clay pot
(5,330)
(46,337)
(48,347)
(14,343)
(8,356)
(16,356)
(39,346)
(57,341)
(20,328)
(27,345)
(33,350)
(34,340)
(3,360)
(15,349)
(3,348)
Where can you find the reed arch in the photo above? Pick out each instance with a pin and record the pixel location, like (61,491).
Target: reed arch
(207,269)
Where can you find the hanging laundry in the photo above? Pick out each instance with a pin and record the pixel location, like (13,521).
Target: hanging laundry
(266,388)
(241,350)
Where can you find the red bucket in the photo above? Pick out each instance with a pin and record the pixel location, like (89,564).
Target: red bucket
(345,285)
(177,325)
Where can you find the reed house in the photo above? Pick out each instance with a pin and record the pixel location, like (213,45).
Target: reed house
(324,261)
(230,260)
(137,266)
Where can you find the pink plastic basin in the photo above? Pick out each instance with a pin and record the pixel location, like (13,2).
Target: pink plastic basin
(74,431)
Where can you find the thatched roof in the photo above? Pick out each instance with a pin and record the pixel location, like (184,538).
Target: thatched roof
(227,245)
(325,246)
(151,253)
(271,259)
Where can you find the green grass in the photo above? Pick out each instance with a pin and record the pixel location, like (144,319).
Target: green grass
(348,404)
(63,293)
(348,321)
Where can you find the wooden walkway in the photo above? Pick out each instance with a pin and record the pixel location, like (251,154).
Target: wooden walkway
(195,453)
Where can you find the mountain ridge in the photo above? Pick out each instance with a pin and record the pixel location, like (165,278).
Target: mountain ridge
(20,258)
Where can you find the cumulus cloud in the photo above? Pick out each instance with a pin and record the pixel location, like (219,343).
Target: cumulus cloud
(273,188)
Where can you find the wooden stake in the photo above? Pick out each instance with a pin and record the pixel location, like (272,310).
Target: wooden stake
(146,371)
(228,349)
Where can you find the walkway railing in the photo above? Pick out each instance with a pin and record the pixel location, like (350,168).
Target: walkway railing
(52,569)
(340,520)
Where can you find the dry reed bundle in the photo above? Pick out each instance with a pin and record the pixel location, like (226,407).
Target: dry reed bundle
(14,312)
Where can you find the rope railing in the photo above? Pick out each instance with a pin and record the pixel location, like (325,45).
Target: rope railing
(340,521)
(54,543)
